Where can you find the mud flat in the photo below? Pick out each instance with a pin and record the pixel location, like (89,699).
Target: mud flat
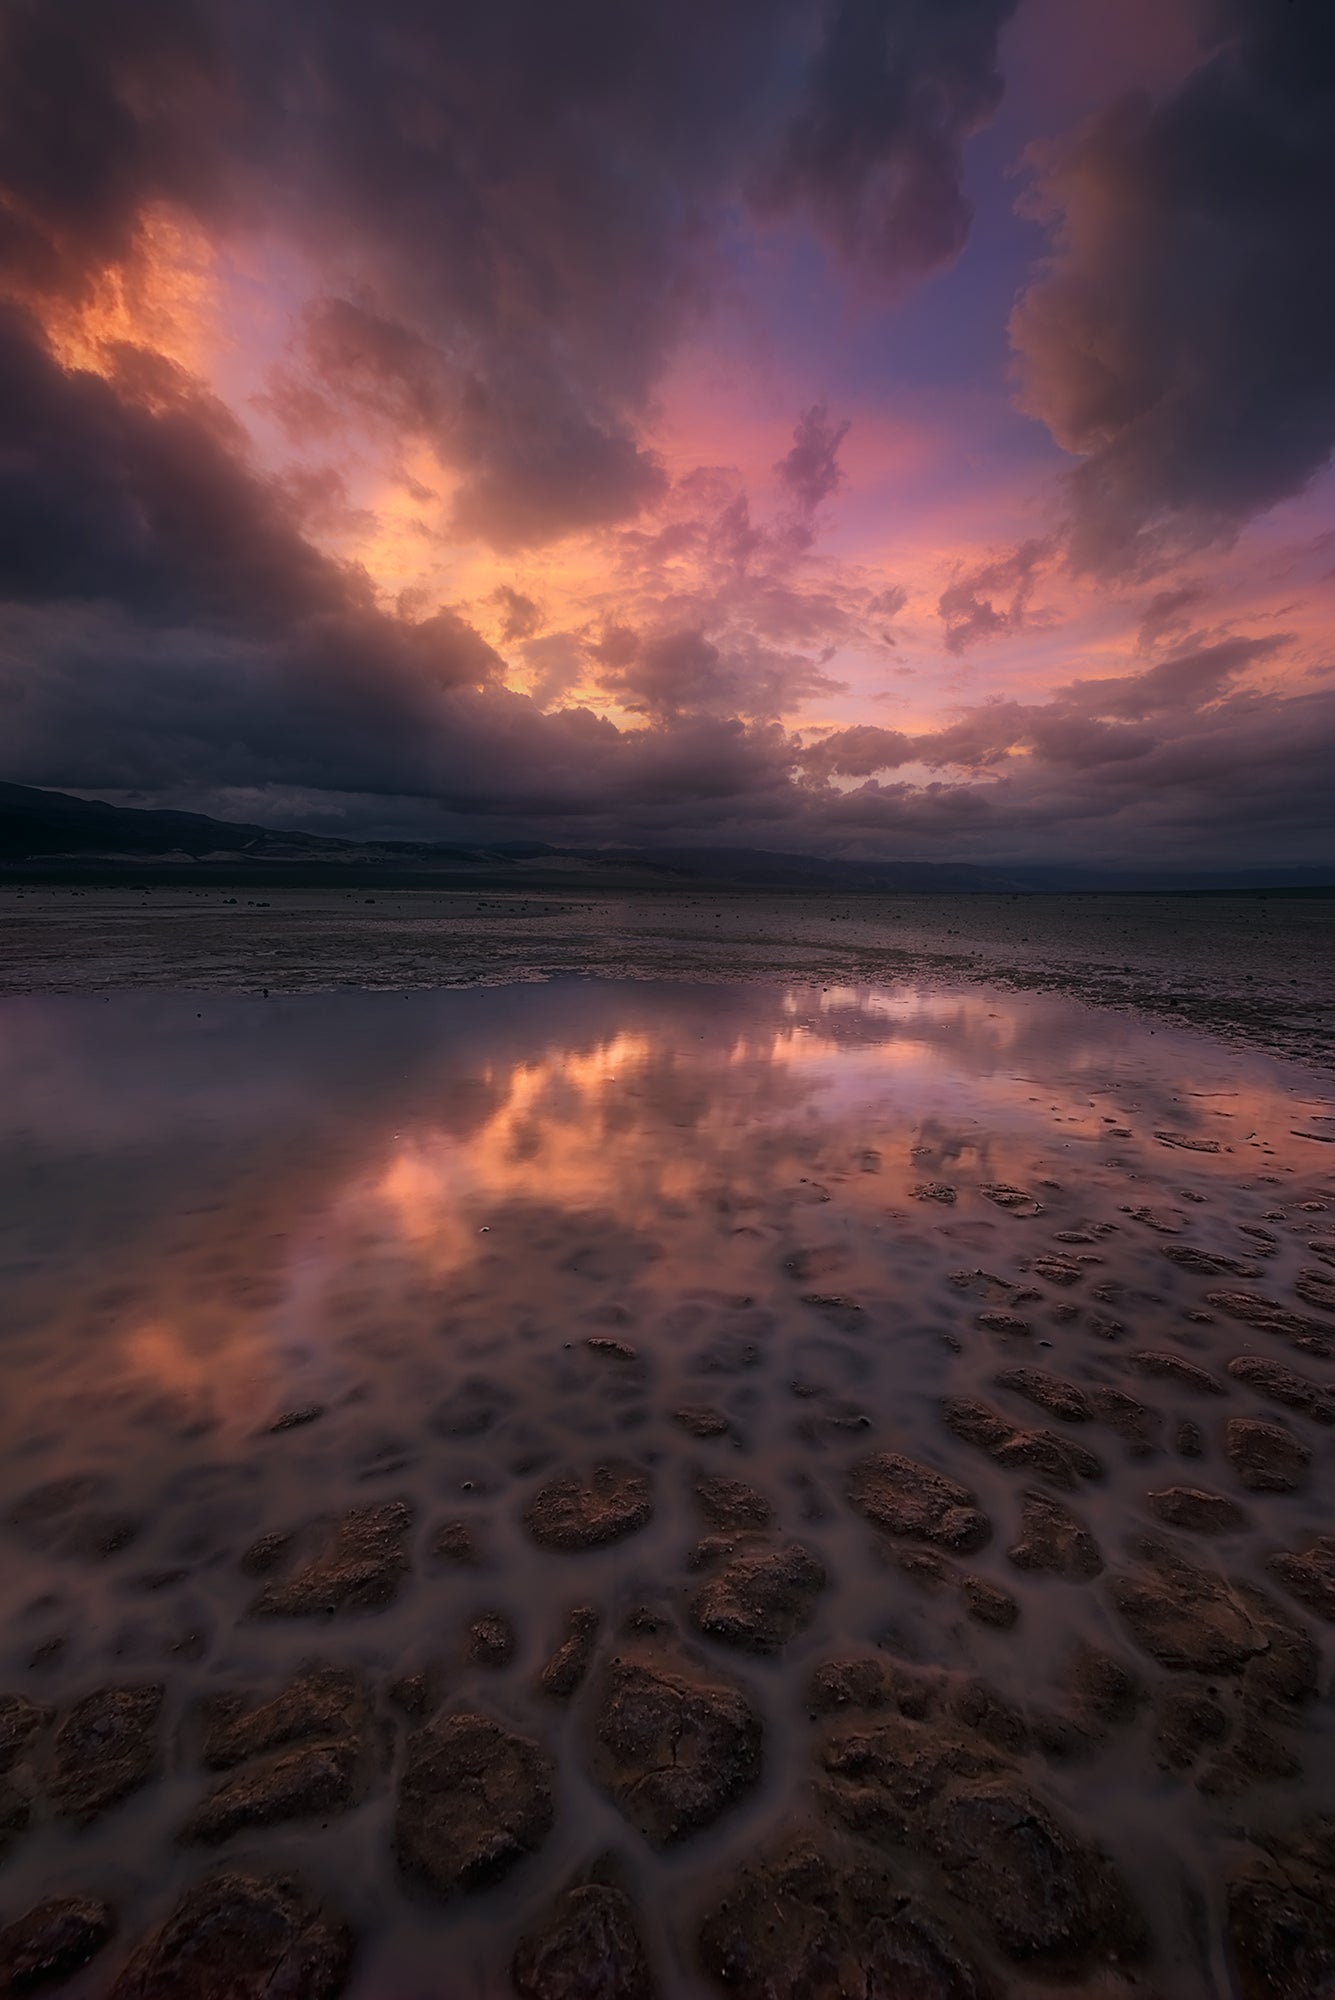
(616,1489)
(1257,969)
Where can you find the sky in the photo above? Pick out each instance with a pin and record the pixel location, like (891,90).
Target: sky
(878,428)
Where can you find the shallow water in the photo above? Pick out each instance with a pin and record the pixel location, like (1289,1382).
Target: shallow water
(215,1211)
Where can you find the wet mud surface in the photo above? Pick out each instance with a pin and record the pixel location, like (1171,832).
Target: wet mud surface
(1256,969)
(625,1490)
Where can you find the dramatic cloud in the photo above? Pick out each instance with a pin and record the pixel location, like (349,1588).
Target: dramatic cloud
(810,470)
(992,597)
(1180,341)
(427,419)
(875,148)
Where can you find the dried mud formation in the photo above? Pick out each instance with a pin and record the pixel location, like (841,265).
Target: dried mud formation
(691,1715)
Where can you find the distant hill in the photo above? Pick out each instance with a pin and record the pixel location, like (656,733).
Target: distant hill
(52,836)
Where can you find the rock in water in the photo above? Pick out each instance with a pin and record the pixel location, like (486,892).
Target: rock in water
(359,1568)
(1267,1457)
(241,1937)
(1281,1920)
(474,1800)
(805,1918)
(1053,1539)
(674,1745)
(576,1513)
(760,1598)
(566,1668)
(1309,1574)
(906,1498)
(105,1749)
(53,1942)
(586,1947)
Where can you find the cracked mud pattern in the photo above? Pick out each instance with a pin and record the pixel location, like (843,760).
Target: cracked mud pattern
(597,1492)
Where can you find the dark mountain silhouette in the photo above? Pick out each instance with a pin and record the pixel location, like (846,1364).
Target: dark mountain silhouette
(47,835)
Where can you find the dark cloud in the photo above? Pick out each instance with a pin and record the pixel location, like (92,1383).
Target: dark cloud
(516,213)
(859,752)
(103,111)
(895,88)
(1245,785)
(521,617)
(991,598)
(1168,613)
(810,469)
(1180,340)
(137,491)
(514,208)
(1085,723)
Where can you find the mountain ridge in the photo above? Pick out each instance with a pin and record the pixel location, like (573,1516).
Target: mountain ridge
(51,835)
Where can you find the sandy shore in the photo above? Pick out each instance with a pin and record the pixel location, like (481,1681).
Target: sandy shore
(1257,969)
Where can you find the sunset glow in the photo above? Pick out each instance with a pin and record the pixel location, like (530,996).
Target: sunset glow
(690,457)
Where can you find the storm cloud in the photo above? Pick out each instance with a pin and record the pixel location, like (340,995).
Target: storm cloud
(496,233)
(1180,339)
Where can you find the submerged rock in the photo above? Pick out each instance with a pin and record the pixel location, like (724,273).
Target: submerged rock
(474,1800)
(1316,1287)
(759,1598)
(731,1503)
(241,1937)
(52,1942)
(455,1542)
(573,1513)
(1135,1423)
(295,1420)
(1281,1919)
(565,1670)
(1059,1270)
(309,1780)
(702,1420)
(490,1640)
(858,1681)
(1190,1618)
(809,1918)
(1048,1896)
(322,1703)
(910,1499)
(1053,1539)
(1101,1694)
(1187,1720)
(587,1946)
(1003,1322)
(1309,1574)
(1270,1317)
(1014,1200)
(988,1602)
(942,1789)
(106,1748)
(1176,1368)
(674,1744)
(1060,1399)
(1168,1221)
(360,1567)
(1285,1385)
(1267,1457)
(1198,1511)
(1209,1263)
(22,1721)
(1059,1459)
